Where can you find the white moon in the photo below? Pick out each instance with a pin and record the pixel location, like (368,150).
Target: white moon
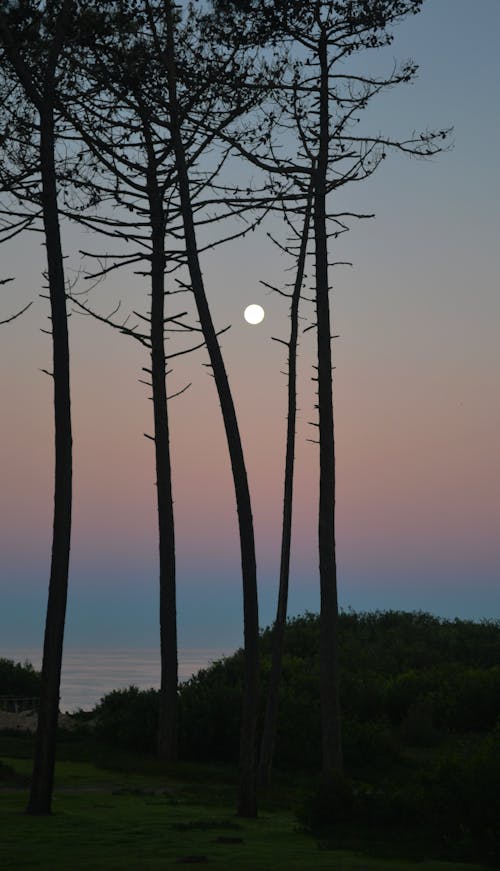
(254,314)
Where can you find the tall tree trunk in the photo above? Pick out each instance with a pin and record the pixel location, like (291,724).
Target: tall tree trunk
(247,794)
(272,704)
(329,670)
(167,731)
(43,771)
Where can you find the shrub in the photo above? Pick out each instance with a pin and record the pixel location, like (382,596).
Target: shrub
(477,704)
(388,679)
(330,806)
(7,773)
(209,712)
(364,694)
(463,797)
(18,679)
(298,739)
(405,689)
(129,719)
(451,809)
(418,727)
(373,744)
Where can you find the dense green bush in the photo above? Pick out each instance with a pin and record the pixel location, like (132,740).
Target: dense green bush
(368,744)
(449,808)
(399,641)
(406,679)
(210,704)
(405,689)
(209,711)
(409,678)
(364,694)
(418,727)
(7,773)
(330,807)
(302,637)
(298,734)
(476,706)
(463,797)
(129,719)
(456,699)
(18,679)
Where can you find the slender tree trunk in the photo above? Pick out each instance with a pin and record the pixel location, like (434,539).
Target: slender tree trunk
(43,771)
(167,732)
(271,713)
(247,794)
(329,671)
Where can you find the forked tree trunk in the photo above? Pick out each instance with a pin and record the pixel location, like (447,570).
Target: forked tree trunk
(43,770)
(329,670)
(167,730)
(278,637)
(247,794)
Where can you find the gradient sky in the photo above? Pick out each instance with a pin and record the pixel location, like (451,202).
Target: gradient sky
(417,399)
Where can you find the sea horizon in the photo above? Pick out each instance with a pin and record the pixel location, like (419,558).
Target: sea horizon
(90,673)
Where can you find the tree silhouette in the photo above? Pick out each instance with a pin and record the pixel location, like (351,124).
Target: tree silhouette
(271,712)
(148,98)
(32,42)
(321,99)
(158,84)
(247,796)
(110,107)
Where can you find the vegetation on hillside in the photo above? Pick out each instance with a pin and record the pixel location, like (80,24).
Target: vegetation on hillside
(407,679)
(421,708)
(19,680)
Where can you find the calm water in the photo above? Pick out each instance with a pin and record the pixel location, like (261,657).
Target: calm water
(88,674)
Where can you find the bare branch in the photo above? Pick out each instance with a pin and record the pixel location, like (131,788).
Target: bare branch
(179,392)
(19,313)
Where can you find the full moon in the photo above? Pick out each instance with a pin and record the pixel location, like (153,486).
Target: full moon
(253,314)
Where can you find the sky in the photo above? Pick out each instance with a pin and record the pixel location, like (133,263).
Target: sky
(416,384)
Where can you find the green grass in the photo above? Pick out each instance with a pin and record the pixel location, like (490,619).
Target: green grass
(138,833)
(130,816)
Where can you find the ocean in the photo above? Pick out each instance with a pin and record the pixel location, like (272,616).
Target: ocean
(87,675)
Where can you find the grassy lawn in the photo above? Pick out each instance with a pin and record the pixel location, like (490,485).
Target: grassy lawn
(130,820)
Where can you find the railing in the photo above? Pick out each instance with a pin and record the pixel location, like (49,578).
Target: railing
(17,704)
